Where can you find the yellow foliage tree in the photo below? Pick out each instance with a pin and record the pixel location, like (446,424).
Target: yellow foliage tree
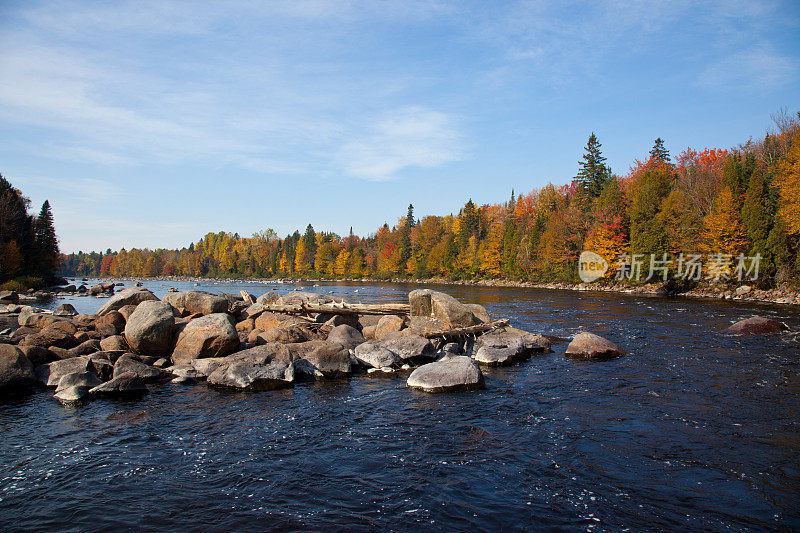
(724,232)
(300,265)
(492,256)
(788,178)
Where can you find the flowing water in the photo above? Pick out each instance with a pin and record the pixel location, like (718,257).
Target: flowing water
(692,429)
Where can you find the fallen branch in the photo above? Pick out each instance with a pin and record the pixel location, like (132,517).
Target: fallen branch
(340,309)
(469,330)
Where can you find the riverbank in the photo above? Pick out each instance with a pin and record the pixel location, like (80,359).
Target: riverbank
(782,295)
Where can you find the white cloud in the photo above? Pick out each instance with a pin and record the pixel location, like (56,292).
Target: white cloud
(408,137)
(81,190)
(756,68)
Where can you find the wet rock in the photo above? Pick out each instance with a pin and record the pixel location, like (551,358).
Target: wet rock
(87,380)
(590,346)
(111,323)
(206,366)
(347,336)
(123,385)
(130,296)
(253,375)
(388,324)
(65,310)
(16,371)
(757,325)
(499,348)
(450,374)
(73,396)
(149,330)
(210,336)
(376,356)
(197,302)
(114,342)
(410,348)
(130,363)
(51,374)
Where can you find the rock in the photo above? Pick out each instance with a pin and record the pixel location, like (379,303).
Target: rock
(369,332)
(285,335)
(410,347)
(38,355)
(86,348)
(24,315)
(266,321)
(376,356)
(9,297)
(429,303)
(450,374)
(131,363)
(101,288)
(16,371)
(130,296)
(206,366)
(388,324)
(347,336)
(499,348)
(590,346)
(268,298)
(533,341)
(450,349)
(210,336)
(425,324)
(161,362)
(114,342)
(244,327)
(253,375)
(81,337)
(332,321)
(197,302)
(251,311)
(73,396)
(51,374)
(479,311)
(125,384)
(104,368)
(111,323)
(300,297)
(65,310)
(757,325)
(58,323)
(187,372)
(330,360)
(149,330)
(673,287)
(50,337)
(126,311)
(87,380)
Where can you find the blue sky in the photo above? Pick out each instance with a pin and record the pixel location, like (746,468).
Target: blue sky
(149,124)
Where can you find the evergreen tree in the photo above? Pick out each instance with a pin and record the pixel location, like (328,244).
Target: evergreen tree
(405,238)
(46,242)
(659,153)
(593,173)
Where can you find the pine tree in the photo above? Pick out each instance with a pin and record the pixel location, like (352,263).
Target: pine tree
(46,242)
(593,173)
(658,153)
(405,238)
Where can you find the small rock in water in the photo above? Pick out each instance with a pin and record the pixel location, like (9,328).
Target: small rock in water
(459,373)
(590,346)
(757,325)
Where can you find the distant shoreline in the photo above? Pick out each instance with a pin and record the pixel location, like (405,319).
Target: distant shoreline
(743,293)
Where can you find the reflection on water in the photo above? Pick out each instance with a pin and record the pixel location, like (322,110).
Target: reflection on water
(692,429)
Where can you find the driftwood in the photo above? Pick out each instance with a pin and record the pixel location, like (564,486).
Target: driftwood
(469,330)
(340,309)
(246,297)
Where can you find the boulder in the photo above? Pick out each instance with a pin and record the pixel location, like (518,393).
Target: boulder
(73,396)
(126,311)
(58,323)
(244,327)
(388,324)
(429,303)
(38,355)
(50,337)
(51,374)
(590,346)
(130,296)
(376,356)
(499,348)
(131,363)
(185,372)
(284,334)
(82,336)
(125,384)
(265,321)
(206,366)
(9,297)
(332,320)
(369,332)
(458,373)
(87,380)
(25,314)
(210,336)
(300,297)
(330,360)
(197,302)
(347,336)
(268,298)
(253,375)
(410,348)
(16,371)
(251,311)
(65,310)
(111,323)
(114,342)
(149,330)
(757,325)
(533,341)
(86,348)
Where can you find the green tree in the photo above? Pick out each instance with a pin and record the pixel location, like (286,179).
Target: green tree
(593,172)
(659,153)
(46,242)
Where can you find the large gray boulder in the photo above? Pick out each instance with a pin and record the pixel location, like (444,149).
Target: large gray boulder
(430,303)
(330,360)
(270,297)
(499,348)
(73,396)
(86,379)
(450,374)
(126,384)
(131,363)
(757,325)
(210,336)
(16,371)
(373,355)
(590,346)
(130,296)
(51,374)
(346,335)
(197,302)
(300,297)
(410,348)
(253,375)
(206,366)
(149,330)
(65,310)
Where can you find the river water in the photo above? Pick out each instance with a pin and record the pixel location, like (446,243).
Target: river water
(692,429)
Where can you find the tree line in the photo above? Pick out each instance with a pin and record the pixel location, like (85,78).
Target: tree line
(29,254)
(742,200)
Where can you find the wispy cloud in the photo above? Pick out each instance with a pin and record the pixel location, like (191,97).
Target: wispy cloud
(756,68)
(408,137)
(80,190)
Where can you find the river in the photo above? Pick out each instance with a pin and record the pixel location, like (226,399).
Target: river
(692,429)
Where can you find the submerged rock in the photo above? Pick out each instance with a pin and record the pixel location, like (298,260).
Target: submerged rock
(74,395)
(757,325)
(590,346)
(458,373)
